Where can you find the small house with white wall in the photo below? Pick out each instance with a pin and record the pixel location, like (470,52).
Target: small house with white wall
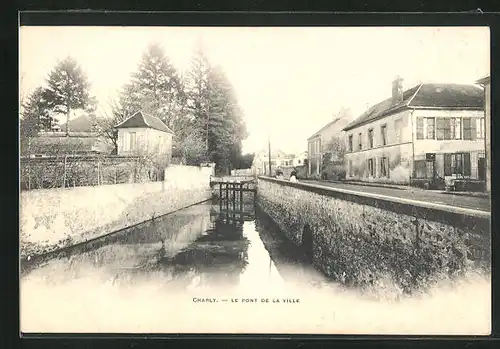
(143,134)
(430,134)
(299,159)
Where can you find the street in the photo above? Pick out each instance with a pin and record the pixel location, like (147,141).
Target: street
(462,201)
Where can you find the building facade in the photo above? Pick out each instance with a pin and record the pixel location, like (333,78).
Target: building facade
(279,159)
(317,144)
(142,134)
(300,159)
(81,139)
(486,83)
(429,134)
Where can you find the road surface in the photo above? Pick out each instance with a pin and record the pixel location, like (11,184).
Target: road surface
(462,201)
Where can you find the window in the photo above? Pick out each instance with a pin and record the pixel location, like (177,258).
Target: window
(350,143)
(384,168)
(397,129)
(370,138)
(420,128)
(420,170)
(457,164)
(430,129)
(142,143)
(360,141)
(299,161)
(448,128)
(480,128)
(349,170)
(469,128)
(370,168)
(132,140)
(430,169)
(383,131)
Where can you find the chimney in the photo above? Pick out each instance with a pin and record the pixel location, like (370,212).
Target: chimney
(397,90)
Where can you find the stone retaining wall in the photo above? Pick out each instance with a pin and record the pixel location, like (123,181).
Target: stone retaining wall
(56,218)
(363,240)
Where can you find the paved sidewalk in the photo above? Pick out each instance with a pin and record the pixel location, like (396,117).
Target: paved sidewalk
(407,187)
(437,197)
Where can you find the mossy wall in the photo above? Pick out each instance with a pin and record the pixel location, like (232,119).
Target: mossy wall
(362,241)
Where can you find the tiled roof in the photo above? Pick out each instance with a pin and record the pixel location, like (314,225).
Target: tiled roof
(431,96)
(80,124)
(338,123)
(141,119)
(484,80)
(53,144)
(448,96)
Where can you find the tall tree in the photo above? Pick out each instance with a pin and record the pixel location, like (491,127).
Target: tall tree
(36,114)
(225,127)
(156,86)
(197,94)
(68,88)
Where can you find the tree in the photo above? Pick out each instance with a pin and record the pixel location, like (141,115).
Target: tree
(197,93)
(156,85)
(35,116)
(224,127)
(119,110)
(36,113)
(245,161)
(68,88)
(337,148)
(191,150)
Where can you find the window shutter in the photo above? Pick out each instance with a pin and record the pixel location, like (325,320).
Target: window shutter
(466,164)
(420,128)
(447,165)
(473,126)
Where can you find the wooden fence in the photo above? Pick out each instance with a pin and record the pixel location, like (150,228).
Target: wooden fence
(88,170)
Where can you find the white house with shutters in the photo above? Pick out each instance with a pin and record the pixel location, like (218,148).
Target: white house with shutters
(429,133)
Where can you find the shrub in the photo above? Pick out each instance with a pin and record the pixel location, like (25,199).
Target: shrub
(334,172)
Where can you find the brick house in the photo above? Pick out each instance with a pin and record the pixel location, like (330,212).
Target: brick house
(430,134)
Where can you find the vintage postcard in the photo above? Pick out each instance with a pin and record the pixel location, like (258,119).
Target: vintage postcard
(262,180)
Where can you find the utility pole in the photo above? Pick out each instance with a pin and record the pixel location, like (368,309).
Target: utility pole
(269,144)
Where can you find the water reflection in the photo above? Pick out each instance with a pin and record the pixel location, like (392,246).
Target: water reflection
(206,245)
(218,255)
(144,279)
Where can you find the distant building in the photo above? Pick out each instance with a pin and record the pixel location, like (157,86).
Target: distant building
(82,139)
(83,123)
(143,134)
(317,143)
(300,159)
(486,82)
(431,133)
(260,164)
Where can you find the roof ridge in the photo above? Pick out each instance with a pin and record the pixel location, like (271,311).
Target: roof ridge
(144,119)
(130,117)
(416,92)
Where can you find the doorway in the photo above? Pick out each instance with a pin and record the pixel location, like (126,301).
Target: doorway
(481,169)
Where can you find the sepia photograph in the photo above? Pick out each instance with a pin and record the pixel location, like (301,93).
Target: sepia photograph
(255,180)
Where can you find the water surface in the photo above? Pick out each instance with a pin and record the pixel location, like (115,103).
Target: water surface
(223,269)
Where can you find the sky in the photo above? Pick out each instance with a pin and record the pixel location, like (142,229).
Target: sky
(289,81)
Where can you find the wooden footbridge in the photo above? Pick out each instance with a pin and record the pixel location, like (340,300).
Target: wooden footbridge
(230,189)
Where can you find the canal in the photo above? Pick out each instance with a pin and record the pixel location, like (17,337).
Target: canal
(217,269)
